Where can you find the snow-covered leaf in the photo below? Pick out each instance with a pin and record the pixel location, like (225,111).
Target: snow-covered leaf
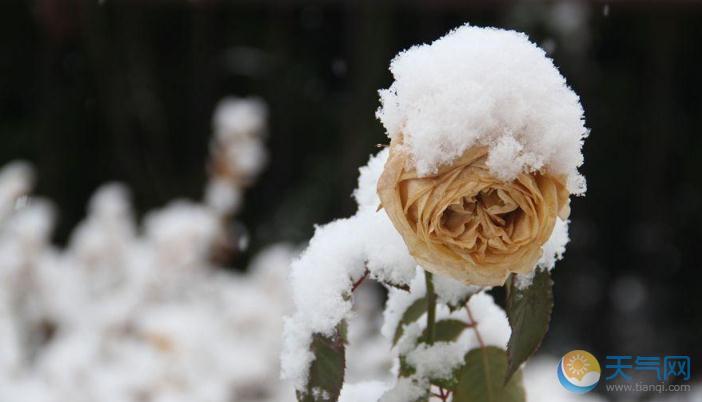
(326,374)
(412,314)
(529,313)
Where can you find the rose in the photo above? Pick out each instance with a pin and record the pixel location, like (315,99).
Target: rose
(464,222)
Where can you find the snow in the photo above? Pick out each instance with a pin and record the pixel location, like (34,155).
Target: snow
(437,361)
(222,196)
(132,310)
(236,117)
(369,391)
(338,254)
(16,180)
(555,246)
(182,232)
(489,320)
(321,280)
(410,337)
(553,251)
(366,194)
(386,254)
(246,157)
(485,86)
(30,226)
(452,292)
(523,281)
(103,238)
(405,390)
(492,320)
(369,356)
(115,338)
(238,154)
(399,301)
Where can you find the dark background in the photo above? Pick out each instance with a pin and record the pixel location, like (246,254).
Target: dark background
(125,90)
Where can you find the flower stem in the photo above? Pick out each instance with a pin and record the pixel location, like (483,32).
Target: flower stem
(431,307)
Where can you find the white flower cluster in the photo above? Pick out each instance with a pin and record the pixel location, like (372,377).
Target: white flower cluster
(130,312)
(485,86)
(134,314)
(238,152)
(140,313)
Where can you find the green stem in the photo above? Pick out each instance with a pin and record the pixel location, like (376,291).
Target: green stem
(431,307)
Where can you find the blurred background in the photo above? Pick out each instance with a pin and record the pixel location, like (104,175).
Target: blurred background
(98,91)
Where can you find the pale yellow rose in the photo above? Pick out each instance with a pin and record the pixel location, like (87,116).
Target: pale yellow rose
(464,222)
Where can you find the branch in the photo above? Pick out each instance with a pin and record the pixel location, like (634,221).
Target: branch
(431,307)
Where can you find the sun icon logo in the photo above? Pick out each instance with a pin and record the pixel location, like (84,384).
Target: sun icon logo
(577,365)
(579,371)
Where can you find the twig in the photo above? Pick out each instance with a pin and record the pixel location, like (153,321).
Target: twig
(443,394)
(473,324)
(360,280)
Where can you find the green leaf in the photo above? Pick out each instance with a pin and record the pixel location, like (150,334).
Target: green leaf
(447,330)
(529,314)
(326,373)
(481,378)
(406,369)
(412,314)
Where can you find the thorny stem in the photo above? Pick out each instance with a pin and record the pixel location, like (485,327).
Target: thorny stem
(473,324)
(431,307)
